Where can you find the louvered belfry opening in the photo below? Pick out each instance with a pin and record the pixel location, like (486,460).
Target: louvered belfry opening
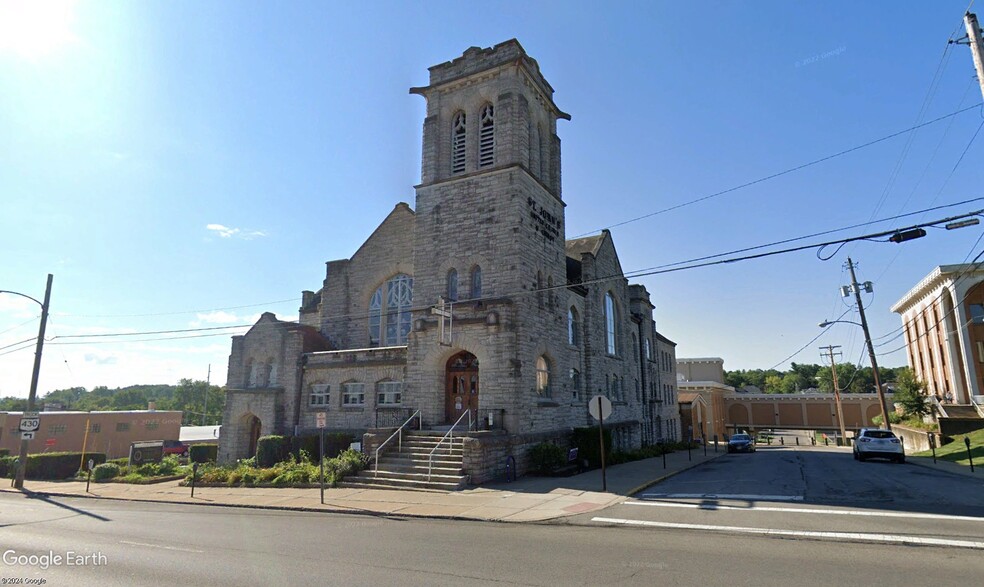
(486,137)
(458,143)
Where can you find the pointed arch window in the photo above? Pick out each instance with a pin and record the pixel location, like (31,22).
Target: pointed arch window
(458,133)
(476,282)
(486,136)
(542,377)
(573,327)
(611,325)
(453,285)
(389,312)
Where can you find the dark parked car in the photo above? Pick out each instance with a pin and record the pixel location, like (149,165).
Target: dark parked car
(741,443)
(175,447)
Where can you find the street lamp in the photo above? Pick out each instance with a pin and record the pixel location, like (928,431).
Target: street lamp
(846,290)
(22,461)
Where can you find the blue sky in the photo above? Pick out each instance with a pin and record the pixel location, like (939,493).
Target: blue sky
(182,165)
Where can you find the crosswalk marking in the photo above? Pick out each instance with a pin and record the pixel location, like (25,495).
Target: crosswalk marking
(712,507)
(743,496)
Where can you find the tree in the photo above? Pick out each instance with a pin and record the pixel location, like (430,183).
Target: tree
(910,393)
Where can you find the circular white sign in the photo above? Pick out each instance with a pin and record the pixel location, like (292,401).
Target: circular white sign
(605,409)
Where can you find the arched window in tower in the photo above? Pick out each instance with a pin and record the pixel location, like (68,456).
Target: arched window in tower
(453,285)
(573,327)
(611,325)
(648,349)
(542,377)
(486,137)
(391,325)
(458,143)
(476,282)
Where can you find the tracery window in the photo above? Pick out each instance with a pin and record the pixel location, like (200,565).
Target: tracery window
(453,285)
(476,282)
(458,143)
(389,312)
(486,137)
(573,326)
(542,377)
(611,325)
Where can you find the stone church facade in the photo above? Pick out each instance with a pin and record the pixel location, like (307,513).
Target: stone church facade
(472,304)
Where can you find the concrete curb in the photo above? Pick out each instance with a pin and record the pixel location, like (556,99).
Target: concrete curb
(952,468)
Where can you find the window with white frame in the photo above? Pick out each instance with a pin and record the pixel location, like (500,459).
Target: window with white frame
(486,137)
(320,395)
(389,312)
(458,143)
(389,393)
(575,383)
(353,394)
(542,377)
(573,326)
(611,321)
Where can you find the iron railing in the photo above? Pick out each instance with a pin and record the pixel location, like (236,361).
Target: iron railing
(390,417)
(449,436)
(399,435)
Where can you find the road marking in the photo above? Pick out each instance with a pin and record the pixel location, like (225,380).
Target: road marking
(722,496)
(854,536)
(160,546)
(711,506)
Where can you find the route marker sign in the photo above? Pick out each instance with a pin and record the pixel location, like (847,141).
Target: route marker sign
(30,422)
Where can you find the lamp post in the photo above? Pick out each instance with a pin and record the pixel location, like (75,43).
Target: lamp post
(22,460)
(846,290)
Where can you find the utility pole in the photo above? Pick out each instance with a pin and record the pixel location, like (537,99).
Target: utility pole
(208,382)
(22,461)
(837,395)
(867,339)
(976,49)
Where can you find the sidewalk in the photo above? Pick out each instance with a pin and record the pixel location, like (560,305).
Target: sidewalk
(529,499)
(941,465)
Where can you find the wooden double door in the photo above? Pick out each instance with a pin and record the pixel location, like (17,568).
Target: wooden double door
(461,387)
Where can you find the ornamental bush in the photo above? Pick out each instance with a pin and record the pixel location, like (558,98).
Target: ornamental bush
(546,457)
(270,450)
(105,471)
(59,465)
(203,453)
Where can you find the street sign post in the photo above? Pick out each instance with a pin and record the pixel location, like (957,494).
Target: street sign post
(27,435)
(322,420)
(600,407)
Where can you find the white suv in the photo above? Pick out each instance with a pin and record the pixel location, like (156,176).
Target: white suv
(878,443)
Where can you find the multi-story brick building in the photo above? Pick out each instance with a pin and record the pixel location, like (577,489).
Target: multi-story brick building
(472,302)
(943,324)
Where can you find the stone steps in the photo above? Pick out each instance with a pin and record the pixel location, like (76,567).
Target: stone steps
(407,467)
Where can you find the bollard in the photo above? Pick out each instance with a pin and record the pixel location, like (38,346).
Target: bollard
(715,443)
(826,441)
(932,445)
(782,440)
(813,441)
(194,475)
(797,441)
(690,446)
(969,456)
(662,449)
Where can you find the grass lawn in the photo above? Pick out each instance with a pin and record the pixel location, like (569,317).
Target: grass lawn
(956,451)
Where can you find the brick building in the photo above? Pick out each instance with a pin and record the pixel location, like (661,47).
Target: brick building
(473,302)
(109,432)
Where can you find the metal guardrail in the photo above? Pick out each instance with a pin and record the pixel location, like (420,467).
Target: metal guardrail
(449,435)
(399,435)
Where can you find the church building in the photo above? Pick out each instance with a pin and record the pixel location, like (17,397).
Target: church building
(471,307)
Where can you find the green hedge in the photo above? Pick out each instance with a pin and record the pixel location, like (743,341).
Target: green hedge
(4,452)
(7,466)
(586,441)
(203,453)
(105,471)
(546,457)
(270,450)
(59,465)
(335,444)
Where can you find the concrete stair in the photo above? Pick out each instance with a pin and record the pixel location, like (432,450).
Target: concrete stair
(406,467)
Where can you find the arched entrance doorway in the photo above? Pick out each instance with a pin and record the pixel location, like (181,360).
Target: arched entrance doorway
(461,386)
(253,428)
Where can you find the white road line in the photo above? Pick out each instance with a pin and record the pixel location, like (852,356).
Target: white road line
(755,508)
(854,536)
(722,496)
(160,546)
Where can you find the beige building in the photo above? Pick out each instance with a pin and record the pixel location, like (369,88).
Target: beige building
(472,303)
(702,390)
(109,432)
(943,324)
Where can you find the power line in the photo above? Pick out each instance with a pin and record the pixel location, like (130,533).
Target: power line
(812,340)
(114,334)
(179,312)
(784,172)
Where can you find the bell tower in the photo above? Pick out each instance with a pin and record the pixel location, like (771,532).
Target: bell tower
(489,204)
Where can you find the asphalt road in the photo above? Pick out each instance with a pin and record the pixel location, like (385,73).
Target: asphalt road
(170,544)
(813,493)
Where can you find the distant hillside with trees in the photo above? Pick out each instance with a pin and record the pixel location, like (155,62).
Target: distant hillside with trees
(800,377)
(187,396)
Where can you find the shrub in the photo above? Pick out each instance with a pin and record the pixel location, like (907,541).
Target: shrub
(168,465)
(105,471)
(203,453)
(546,457)
(307,444)
(7,466)
(270,450)
(123,463)
(58,465)
(4,452)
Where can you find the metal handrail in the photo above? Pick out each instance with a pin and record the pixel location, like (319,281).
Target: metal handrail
(399,433)
(450,435)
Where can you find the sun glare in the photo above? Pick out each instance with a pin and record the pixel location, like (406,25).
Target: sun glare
(33,29)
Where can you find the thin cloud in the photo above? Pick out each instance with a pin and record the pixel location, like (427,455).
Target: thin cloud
(229,232)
